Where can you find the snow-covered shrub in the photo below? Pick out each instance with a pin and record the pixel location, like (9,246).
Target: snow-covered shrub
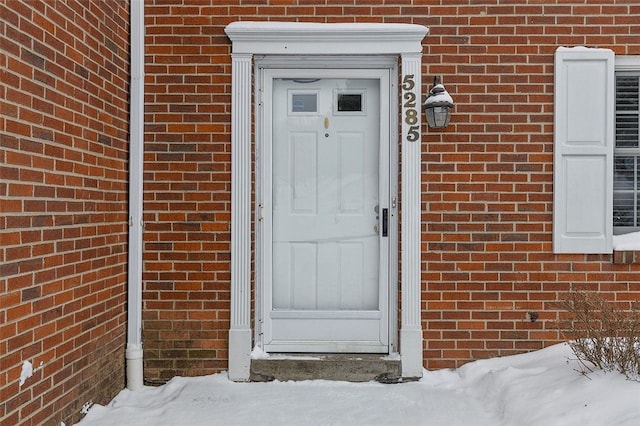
(603,333)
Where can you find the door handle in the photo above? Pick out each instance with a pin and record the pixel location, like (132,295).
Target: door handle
(385,222)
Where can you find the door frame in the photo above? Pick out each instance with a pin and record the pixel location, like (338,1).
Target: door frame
(380,68)
(350,41)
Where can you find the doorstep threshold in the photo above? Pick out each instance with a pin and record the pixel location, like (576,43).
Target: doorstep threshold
(340,367)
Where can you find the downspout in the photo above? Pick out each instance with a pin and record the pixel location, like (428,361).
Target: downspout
(133,351)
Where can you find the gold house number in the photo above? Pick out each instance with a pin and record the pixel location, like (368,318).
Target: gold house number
(410,112)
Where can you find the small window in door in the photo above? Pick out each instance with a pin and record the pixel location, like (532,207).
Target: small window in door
(351,102)
(303,102)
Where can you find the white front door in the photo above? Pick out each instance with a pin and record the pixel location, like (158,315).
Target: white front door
(327,285)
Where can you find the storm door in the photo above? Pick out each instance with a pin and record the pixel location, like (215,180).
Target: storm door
(326,273)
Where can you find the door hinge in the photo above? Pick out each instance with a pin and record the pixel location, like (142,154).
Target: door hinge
(260,208)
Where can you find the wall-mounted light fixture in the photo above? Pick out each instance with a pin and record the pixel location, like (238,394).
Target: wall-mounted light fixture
(438,105)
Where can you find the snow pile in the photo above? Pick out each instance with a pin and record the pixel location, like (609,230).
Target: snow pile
(539,388)
(258,353)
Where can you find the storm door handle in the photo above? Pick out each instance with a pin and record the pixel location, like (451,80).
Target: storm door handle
(385,222)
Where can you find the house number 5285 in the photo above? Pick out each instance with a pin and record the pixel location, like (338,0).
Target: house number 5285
(410,110)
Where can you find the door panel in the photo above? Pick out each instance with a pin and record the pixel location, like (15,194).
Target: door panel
(326,281)
(304,149)
(351,172)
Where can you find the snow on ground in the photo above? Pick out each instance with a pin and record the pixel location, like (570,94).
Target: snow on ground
(539,388)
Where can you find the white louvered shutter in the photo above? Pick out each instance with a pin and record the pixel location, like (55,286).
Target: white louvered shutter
(583,150)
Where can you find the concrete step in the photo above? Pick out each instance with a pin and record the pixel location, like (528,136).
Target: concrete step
(346,367)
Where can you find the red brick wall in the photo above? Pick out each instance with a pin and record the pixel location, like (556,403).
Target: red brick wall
(187,191)
(63,190)
(487,182)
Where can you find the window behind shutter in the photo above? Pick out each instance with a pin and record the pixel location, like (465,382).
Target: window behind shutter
(583,150)
(626,169)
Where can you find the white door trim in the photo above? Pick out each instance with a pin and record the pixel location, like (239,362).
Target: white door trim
(277,38)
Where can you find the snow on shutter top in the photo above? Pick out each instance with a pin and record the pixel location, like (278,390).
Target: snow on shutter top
(583,150)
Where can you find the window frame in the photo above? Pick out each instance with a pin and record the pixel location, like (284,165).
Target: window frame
(626,65)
